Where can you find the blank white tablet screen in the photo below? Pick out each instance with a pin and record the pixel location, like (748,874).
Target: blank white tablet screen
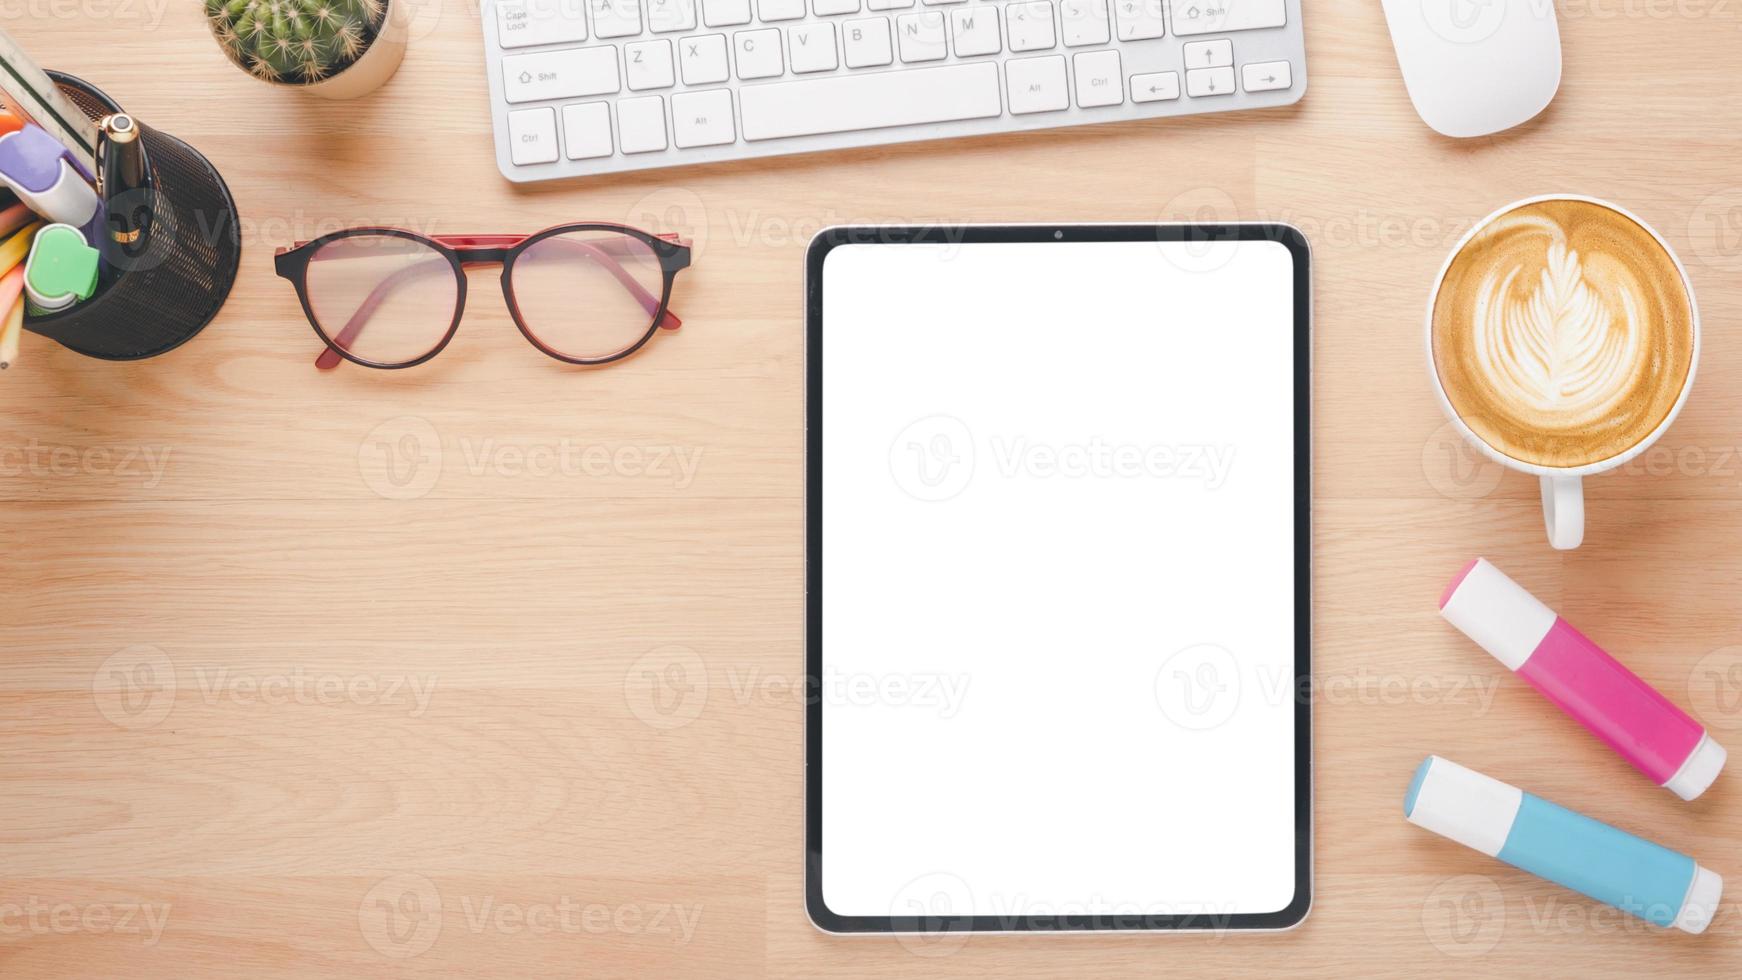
(1058,630)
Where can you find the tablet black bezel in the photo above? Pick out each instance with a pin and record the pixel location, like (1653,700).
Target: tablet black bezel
(820,246)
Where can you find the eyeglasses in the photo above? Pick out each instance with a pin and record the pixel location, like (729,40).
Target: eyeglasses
(387,298)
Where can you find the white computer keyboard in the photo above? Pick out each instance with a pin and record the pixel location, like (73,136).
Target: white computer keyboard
(582,87)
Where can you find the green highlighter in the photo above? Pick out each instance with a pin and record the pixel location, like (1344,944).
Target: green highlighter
(61,270)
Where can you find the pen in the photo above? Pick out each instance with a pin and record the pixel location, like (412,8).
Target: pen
(121,182)
(14,250)
(12,302)
(14,218)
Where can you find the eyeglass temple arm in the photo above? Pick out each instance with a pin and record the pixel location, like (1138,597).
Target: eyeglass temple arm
(330,357)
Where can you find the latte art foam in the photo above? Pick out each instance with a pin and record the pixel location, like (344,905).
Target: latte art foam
(1562,333)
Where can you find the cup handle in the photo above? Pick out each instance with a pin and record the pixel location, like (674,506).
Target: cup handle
(1563,510)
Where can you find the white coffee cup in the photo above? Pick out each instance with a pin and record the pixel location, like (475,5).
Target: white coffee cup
(1563,494)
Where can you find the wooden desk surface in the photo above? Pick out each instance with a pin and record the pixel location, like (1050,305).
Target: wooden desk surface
(270,706)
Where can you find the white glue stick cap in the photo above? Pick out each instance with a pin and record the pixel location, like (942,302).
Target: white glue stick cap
(1702,902)
(1498,613)
(1701,767)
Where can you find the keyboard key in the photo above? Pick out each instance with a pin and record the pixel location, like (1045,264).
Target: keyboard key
(559,74)
(616,18)
(1029,25)
(725,13)
(666,16)
(647,64)
(587,130)
(975,30)
(1157,87)
(1083,22)
(1037,84)
(825,8)
(780,9)
(1100,81)
(867,42)
(641,124)
(702,118)
(942,3)
(1266,76)
(922,36)
(758,53)
(1209,54)
(521,23)
(811,47)
(888,4)
(703,59)
(1209,81)
(532,136)
(1139,20)
(1222,16)
(843,103)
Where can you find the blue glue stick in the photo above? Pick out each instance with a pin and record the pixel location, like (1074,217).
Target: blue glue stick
(1569,849)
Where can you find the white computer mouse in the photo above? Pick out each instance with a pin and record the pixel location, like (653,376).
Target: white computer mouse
(1475,67)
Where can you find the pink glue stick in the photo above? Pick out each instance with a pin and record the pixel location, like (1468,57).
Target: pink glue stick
(1658,738)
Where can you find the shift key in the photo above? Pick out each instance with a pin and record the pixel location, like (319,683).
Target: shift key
(560,74)
(1194,17)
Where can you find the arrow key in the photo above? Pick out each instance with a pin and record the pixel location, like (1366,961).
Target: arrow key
(1156,87)
(1201,82)
(1266,76)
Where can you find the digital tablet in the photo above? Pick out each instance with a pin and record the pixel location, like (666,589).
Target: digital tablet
(1057,611)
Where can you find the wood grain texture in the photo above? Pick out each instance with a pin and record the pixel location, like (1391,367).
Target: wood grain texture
(307,715)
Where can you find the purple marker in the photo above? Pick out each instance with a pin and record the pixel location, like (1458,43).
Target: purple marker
(1658,738)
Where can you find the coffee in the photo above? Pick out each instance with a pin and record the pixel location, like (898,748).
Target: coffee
(1563,333)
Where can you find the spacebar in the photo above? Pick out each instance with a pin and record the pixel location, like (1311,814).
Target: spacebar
(843,103)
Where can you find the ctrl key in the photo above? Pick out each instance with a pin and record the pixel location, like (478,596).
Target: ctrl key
(532,136)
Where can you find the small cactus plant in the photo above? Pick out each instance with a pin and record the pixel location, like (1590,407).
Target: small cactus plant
(295,42)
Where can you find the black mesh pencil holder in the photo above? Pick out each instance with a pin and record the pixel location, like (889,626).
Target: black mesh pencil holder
(177,282)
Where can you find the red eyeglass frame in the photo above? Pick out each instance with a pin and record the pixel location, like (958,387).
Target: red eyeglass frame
(463,251)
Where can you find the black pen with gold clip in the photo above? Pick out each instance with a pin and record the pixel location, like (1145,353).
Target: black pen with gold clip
(122,183)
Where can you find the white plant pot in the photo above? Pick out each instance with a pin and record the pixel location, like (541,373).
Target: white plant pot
(377,65)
